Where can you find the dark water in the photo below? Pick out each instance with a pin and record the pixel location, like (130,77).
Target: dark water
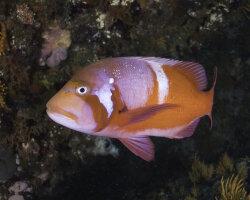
(43,43)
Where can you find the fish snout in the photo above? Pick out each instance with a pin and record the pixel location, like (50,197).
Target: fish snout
(72,112)
(57,105)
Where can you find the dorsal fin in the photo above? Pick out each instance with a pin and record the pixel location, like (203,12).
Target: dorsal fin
(194,71)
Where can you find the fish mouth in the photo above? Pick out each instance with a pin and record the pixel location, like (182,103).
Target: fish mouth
(51,111)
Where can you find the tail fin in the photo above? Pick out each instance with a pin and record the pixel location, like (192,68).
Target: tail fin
(211,95)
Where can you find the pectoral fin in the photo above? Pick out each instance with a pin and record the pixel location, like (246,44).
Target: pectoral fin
(140,114)
(140,146)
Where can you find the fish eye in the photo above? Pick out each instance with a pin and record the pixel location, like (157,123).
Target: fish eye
(82,90)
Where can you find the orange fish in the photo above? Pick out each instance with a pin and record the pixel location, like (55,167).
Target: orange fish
(132,98)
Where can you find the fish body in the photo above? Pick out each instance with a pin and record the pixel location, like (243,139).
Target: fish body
(131,98)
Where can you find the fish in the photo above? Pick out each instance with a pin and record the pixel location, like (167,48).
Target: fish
(133,98)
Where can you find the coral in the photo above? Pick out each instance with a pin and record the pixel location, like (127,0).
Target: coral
(14,78)
(23,139)
(7,165)
(55,75)
(122,13)
(225,166)
(24,14)
(57,56)
(160,42)
(242,170)
(2,38)
(21,40)
(3,89)
(55,47)
(18,79)
(200,171)
(204,178)
(122,2)
(194,193)
(158,194)
(233,189)
(101,20)
(144,3)
(178,190)
(245,8)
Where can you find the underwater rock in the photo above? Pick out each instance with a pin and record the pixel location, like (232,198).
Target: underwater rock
(17,188)
(43,176)
(55,47)
(24,14)
(7,165)
(17,86)
(16,197)
(104,146)
(92,146)
(101,20)
(20,186)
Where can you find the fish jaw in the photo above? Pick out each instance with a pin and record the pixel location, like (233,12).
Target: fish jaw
(53,112)
(62,117)
(66,119)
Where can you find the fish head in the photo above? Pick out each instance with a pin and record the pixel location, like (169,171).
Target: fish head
(70,108)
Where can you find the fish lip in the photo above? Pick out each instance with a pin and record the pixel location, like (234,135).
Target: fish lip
(58,110)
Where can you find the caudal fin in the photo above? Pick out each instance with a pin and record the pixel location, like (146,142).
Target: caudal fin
(211,95)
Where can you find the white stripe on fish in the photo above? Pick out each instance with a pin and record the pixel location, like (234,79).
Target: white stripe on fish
(163,84)
(104,94)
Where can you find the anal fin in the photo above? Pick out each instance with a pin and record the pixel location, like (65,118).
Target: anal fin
(189,130)
(141,146)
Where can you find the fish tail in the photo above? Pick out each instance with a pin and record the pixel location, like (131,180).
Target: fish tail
(211,97)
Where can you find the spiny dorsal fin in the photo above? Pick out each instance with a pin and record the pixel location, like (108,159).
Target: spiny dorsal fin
(194,71)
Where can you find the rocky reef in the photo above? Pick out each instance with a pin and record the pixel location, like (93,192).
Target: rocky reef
(43,43)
